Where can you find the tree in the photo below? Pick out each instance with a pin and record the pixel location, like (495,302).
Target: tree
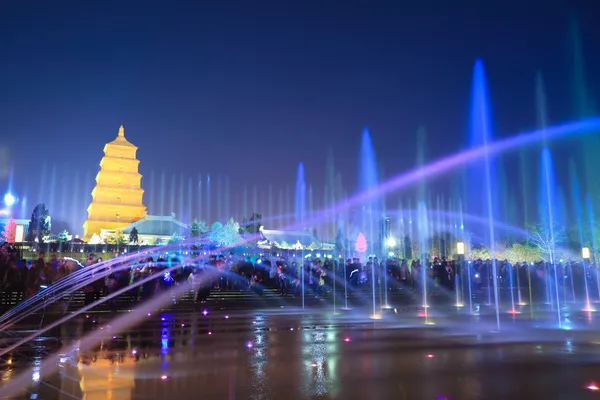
(175,238)
(546,238)
(480,252)
(225,235)
(361,243)
(252,226)
(117,238)
(63,236)
(198,228)
(133,236)
(39,225)
(520,252)
(10,231)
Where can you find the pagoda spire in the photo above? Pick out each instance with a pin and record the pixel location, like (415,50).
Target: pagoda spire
(122,131)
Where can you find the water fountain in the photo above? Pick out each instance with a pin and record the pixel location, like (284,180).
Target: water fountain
(300,217)
(369,214)
(484,171)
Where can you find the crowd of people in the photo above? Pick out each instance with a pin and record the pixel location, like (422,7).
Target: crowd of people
(219,272)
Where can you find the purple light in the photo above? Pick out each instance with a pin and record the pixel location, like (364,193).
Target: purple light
(204,312)
(249,345)
(163,377)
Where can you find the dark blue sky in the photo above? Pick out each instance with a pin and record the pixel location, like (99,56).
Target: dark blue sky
(248,89)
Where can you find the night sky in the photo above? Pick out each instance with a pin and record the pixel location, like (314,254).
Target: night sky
(248,89)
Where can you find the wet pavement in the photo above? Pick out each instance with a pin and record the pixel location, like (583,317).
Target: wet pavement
(290,354)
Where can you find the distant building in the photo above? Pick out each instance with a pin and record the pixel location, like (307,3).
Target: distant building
(289,240)
(117,196)
(152,229)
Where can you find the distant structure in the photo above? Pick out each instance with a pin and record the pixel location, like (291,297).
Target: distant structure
(117,196)
(154,229)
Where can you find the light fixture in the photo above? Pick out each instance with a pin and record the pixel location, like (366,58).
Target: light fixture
(390,242)
(460,248)
(585,253)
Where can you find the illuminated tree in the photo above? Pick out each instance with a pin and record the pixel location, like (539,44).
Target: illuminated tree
(225,235)
(63,236)
(361,243)
(10,231)
(547,238)
(175,238)
(198,228)
(117,238)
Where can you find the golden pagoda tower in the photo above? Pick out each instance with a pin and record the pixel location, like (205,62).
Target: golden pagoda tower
(117,197)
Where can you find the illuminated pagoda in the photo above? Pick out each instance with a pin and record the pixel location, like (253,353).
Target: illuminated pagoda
(117,196)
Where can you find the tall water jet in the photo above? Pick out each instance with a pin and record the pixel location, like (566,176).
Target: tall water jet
(330,191)
(421,156)
(300,197)
(208,214)
(367,182)
(423,233)
(220,216)
(481,135)
(190,194)
(270,211)
(369,211)
(200,211)
(163,191)
(227,201)
(576,200)
(548,214)
(300,213)
(181,198)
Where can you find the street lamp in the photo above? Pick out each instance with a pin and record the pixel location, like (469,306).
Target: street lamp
(585,253)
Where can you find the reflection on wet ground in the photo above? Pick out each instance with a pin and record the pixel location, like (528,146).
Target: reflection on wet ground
(272,355)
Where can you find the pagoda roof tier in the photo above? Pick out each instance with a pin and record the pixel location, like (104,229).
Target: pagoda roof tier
(120,140)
